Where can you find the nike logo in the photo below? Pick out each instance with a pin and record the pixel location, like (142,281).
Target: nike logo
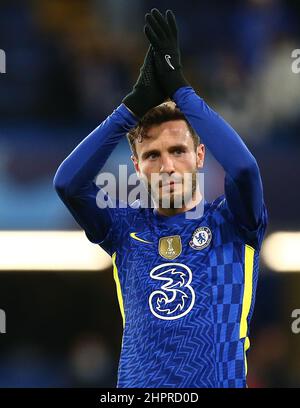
(168,60)
(133,235)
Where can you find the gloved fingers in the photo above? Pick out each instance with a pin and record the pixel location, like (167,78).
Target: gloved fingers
(156,14)
(156,27)
(152,37)
(170,17)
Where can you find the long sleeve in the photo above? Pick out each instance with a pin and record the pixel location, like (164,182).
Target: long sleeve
(243,186)
(74,179)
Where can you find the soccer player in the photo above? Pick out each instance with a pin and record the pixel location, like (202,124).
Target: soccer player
(186,286)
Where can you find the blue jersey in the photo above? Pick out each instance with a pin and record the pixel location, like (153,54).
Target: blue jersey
(186,290)
(186,286)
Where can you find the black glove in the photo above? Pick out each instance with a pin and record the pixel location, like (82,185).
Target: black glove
(147,91)
(163,36)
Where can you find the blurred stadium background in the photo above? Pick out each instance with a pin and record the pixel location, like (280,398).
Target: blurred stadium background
(69,64)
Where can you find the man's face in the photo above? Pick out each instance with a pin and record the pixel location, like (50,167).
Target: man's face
(166,157)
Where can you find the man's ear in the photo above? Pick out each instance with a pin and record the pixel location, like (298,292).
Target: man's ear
(200,155)
(136,164)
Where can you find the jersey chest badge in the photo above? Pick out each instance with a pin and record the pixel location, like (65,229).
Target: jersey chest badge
(170,247)
(201,238)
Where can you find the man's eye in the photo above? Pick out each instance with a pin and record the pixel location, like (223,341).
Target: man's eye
(152,156)
(178,152)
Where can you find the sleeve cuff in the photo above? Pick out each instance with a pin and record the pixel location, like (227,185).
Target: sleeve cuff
(127,114)
(183,92)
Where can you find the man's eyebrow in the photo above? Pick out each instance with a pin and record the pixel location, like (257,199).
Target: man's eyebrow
(171,149)
(149,152)
(177,146)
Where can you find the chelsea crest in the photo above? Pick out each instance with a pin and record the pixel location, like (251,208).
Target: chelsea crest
(201,238)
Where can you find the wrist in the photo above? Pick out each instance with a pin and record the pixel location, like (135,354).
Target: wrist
(174,81)
(127,107)
(134,102)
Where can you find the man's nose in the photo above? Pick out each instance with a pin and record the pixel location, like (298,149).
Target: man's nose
(167,165)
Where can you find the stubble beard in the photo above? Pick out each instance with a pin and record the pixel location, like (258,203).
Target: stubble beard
(172,200)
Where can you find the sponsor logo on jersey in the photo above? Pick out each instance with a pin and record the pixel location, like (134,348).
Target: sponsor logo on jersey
(174,297)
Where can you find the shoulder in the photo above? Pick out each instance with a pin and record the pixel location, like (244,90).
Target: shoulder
(124,217)
(129,215)
(219,210)
(223,218)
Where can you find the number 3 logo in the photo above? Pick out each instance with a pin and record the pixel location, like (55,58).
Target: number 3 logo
(176,297)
